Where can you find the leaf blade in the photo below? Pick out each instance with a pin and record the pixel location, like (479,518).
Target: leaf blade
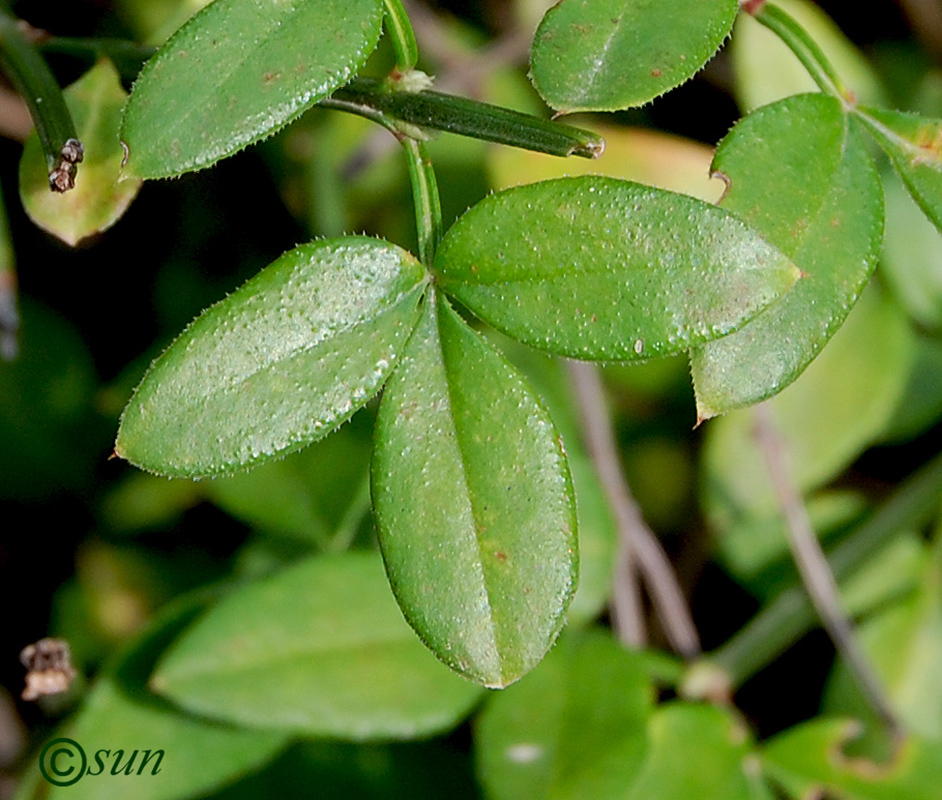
(456,421)
(278,364)
(603,269)
(236,72)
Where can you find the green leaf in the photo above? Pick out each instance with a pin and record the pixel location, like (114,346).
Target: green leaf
(319,649)
(576,728)
(810,758)
(474,504)
(98,199)
(279,363)
(121,714)
(827,418)
(602,55)
(914,145)
(799,174)
(698,752)
(238,71)
(598,268)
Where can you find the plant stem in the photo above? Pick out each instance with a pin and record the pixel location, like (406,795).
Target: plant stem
(638,546)
(403,38)
(127,56)
(814,570)
(31,77)
(428,207)
(789,616)
(415,113)
(805,49)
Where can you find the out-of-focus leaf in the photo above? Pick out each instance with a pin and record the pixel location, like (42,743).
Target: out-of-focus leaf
(238,71)
(603,55)
(576,728)
(319,649)
(279,363)
(800,175)
(474,503)
(914,145)
(912,256)
(598,268)
(636,154)
(98,200)
(810,758)
(121,714)
(142,502)
(826,418)
(698,752)
(767,70)
(920,405)
(904,643)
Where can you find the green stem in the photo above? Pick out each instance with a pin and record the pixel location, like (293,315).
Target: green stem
(805,48)
(790,615)
(415,114)
(31,77)
(400,31)
(428,207)
(128,57)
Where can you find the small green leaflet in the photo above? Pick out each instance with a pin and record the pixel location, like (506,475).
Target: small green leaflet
(600,268)
(279,363)
(238,71)
(474,503)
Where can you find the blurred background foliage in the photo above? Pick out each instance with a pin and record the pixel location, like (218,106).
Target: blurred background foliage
(91,550)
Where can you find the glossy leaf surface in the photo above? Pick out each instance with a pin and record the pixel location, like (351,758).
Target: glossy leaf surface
(602,55)
(279,363)
(98,199)
(577,727)
(474,504)
(238,71)
(914,144)
(598,268)
(321,649)
(800,175)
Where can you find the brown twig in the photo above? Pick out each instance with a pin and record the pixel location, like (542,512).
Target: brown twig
(814,570)
(640,552)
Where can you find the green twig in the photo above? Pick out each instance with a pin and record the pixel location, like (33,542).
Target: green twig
(128,57)
(790,615)
(418,113)
(428,207)
(400,31)
(804,47)
(31,77)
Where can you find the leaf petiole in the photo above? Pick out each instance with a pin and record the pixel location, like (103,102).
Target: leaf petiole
(400,32)
(428,207)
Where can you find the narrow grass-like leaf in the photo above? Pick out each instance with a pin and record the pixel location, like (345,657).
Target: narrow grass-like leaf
(599,268)
(98,199)
(602,55)
(279,363)
(914,144)
(319,649)
(799,173)
(238,71)
(474,504)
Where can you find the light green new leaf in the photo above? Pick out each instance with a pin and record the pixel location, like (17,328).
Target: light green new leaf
(798,173)
(474,504)
(279,363)
(238,71)
(809,759)
(602,55)
(600,268)
(98,199)
(318,649)
(914,144)
(576,728)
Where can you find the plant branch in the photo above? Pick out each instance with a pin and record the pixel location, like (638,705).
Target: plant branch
(428,207)
(804,47)
(813,567)
(400,31)
(638,548)
(31,77)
